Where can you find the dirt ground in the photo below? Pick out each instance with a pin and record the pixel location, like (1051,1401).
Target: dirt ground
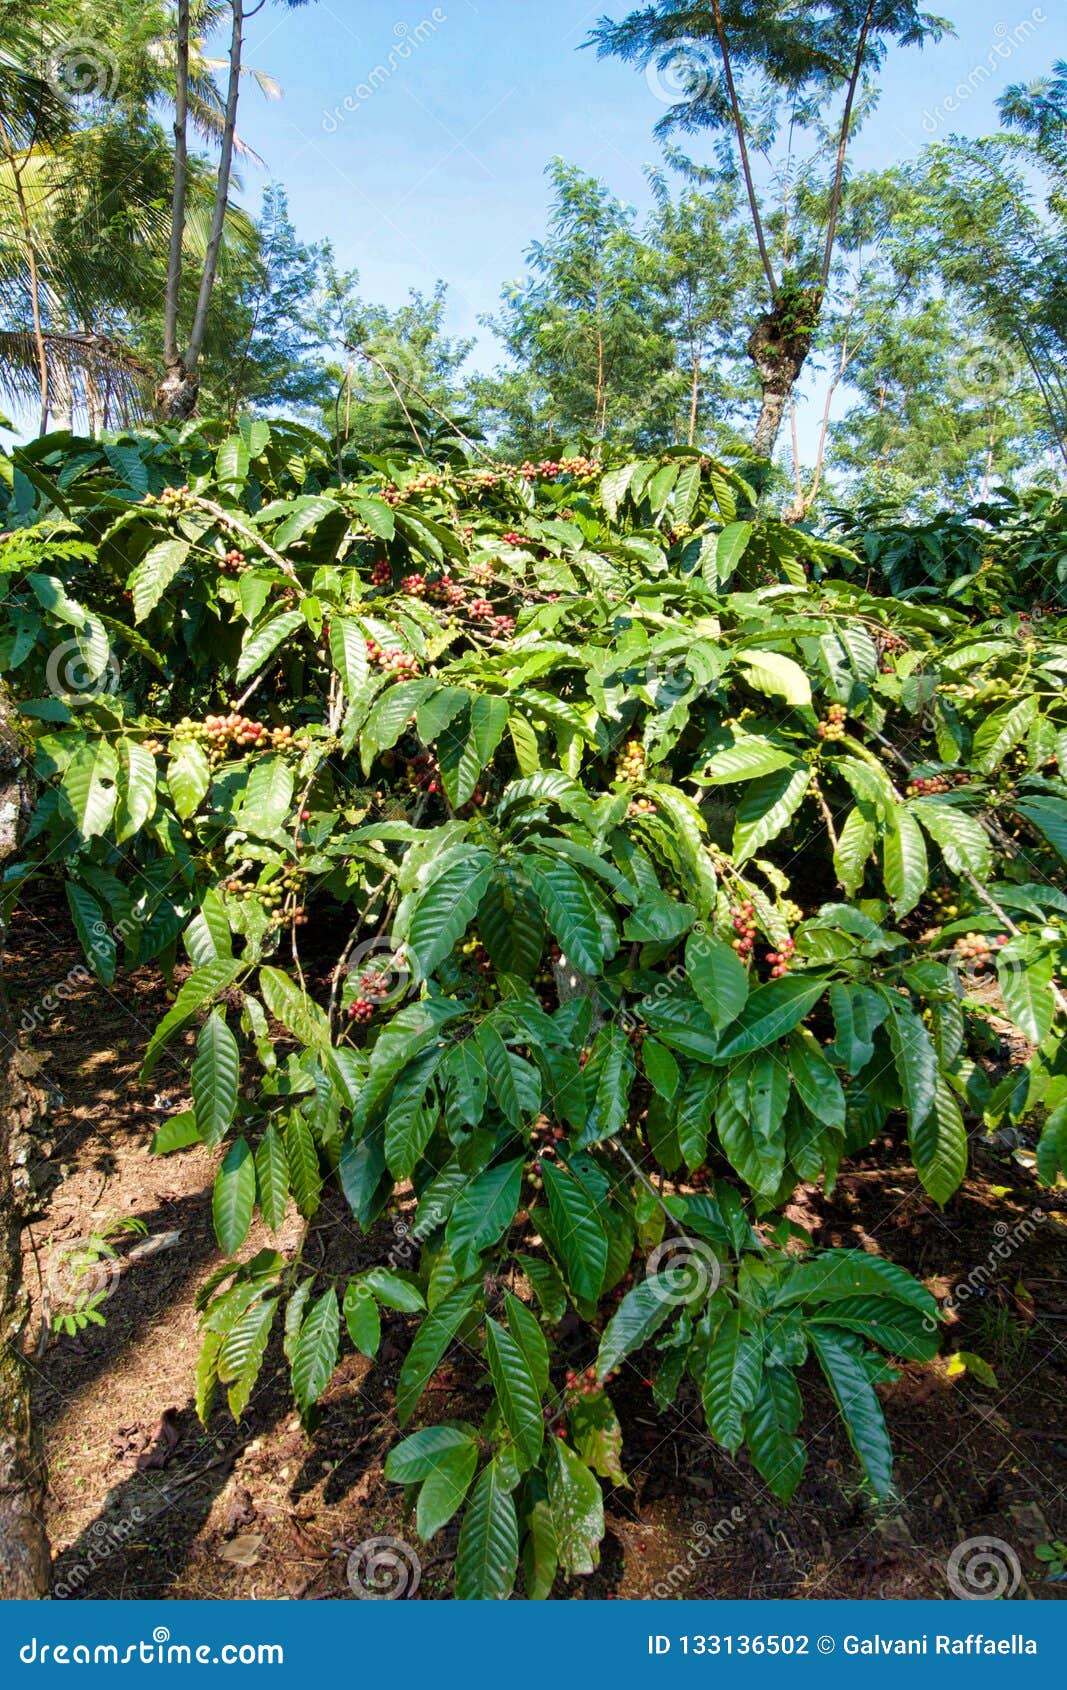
(144,1503)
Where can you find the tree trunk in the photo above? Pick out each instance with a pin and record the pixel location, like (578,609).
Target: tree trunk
(177,393)
(179,390)
(24,1555)
(171,389)
(778,347)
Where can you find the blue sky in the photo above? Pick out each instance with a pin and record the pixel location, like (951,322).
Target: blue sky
(436,171)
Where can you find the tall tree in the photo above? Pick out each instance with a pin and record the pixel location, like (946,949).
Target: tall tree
(263,349)
(179,388)
(587,330)
(707,273)
(389,370)
(85,173)
(749,70)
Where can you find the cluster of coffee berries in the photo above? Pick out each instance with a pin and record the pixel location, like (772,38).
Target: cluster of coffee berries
(630,765)
(414,586)
(834,725)
(233,562)
(381,575)
(374,986)
(423,773)
(219,732)
(924,786)
(446,591)
(791,912)
(975,947)
(272,895)
(780,960)
(585,1384)
(887,644)
(154,746)
(390,494)
(549,468)
(178,498)
(481,573)
(478,954)
(425,483)
(393,661)
(361,1009)
(744,919)
(641,807)
(544,1129)
(512,537)
(480,610)
(241,729)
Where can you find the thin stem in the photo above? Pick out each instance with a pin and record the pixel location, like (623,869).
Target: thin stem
(222,192)
(842,145)
(171,355)
(739,128)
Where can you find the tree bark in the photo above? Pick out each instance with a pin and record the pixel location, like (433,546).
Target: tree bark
(222,190)
(25,1562)
(170,394)
(778,347)
(179,390)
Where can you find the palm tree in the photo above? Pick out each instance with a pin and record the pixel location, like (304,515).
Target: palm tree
(84,239)
(178,391)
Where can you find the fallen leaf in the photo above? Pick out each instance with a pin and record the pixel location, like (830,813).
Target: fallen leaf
(240,1511)
(164,1443)
(243,1551)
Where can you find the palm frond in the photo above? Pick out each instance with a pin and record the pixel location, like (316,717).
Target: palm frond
(76,359)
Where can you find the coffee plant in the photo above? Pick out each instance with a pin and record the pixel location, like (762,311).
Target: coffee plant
(566,862)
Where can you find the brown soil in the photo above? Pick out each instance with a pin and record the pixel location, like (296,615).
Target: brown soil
(145,1503)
